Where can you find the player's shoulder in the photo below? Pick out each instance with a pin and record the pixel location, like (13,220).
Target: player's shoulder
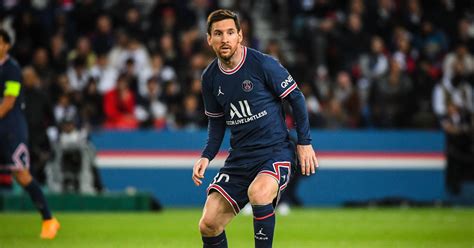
(263,59)
(209,71)
(12,66)
(256,55)
(11,62)
(259,56)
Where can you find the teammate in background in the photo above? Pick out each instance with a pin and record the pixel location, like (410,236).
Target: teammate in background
(243,89)
(14,134)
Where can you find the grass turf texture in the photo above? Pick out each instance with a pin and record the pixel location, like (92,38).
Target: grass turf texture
(302,228)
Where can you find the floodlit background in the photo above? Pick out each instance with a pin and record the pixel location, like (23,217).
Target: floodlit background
(116,119)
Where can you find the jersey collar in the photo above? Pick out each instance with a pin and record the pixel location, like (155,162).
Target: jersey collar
(235,69)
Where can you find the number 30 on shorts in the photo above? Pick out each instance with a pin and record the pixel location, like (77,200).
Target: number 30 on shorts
(221,176)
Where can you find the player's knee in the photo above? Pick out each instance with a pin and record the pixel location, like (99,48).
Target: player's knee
(23,177)
(209,228)
(260,196)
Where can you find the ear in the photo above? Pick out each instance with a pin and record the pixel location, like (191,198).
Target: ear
(208,39)
(241,36)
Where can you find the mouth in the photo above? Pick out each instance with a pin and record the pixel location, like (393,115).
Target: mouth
(225,48)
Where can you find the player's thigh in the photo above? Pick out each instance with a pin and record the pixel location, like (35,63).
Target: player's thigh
(263,190)
(217,210)
(13,149)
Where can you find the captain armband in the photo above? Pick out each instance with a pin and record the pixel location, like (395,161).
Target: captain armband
(12,88)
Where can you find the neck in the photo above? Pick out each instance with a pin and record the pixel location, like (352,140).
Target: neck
(3,58)
(233,61)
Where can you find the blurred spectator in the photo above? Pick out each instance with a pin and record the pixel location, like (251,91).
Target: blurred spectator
(59,87)
(455,90)
(382,19)
(156,69)
(130,72)
(134,51)
(103,38)
(119,106)
(465,34)
(172,96)
(190,117)
(104,74)
(460,55)
(118,54)
(91,109)
(424,82)
(322,84)
(84,51)
(353,42)
(150,111)
(41,65)
(78,74)
(334,115)
(39,116)
(374,64)
(412,15)
(405,55)
(313,106)
(391,98)
(133,24)
(431,42)
(64,110)
(168,49)
(344,93)
(459,147)
(58,53)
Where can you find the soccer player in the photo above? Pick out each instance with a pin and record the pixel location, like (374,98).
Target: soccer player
(13,135)
(243,90)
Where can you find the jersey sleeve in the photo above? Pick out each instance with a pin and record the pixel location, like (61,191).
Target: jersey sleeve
(278,78)
(212,108)
(12,82)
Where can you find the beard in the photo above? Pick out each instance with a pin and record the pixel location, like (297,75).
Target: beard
(226,58)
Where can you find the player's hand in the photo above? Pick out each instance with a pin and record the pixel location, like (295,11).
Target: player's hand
(307,159)
(199,169)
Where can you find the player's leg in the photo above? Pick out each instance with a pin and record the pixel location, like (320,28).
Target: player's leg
(20,165)
(262,192)
(216,215)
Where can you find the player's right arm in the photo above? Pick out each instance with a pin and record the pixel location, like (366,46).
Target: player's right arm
(215,131)
(215,135)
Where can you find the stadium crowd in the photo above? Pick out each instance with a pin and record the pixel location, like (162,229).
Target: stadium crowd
(137,64)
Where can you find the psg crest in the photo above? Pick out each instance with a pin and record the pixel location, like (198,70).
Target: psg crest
(247,85)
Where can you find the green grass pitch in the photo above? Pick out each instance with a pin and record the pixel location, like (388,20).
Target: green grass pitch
(449,227)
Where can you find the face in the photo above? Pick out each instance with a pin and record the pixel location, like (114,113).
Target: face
(224,38)
(4,47)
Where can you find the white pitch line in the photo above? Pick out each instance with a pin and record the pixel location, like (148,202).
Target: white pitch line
(328,162)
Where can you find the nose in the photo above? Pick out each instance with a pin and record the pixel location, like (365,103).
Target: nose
(225,38)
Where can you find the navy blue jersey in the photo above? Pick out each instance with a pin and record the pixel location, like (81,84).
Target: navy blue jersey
(249,97)
(13,127)
(10,78)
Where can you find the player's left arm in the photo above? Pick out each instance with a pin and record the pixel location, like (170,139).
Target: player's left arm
(284,86)
(11,92)
(304,149)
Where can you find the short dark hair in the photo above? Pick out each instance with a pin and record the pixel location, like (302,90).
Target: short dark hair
(222,14)
(5,36)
